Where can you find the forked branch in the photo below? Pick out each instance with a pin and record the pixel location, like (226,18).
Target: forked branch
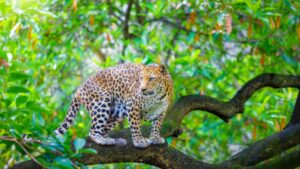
(167,157)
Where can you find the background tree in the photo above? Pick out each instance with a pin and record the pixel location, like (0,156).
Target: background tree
(211,48)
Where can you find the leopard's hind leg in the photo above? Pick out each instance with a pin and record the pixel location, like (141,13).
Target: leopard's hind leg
(101,124)
(110,125)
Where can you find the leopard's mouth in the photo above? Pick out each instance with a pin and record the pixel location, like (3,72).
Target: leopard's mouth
(148,93)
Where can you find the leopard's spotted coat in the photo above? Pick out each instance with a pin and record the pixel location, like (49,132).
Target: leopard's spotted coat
(134,91)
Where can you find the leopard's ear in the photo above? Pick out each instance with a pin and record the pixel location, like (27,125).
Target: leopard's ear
(162,69)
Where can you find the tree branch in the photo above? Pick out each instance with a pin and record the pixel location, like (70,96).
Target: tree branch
(112,9)
(161,156)
(268,147)
(289,161)
(126,21)
(21,143)
(167,157)
(139,14)
(164,156)
(177,26)
(226,110)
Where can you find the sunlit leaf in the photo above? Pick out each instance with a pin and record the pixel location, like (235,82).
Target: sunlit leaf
(192,18)
(74,6)
(46,13)
(262,59)
(282,124)
(272,23)
(3,63)
(254,133)
(108,37)
(277,23)
(14,30)
(92,20)
(277,125)
(249,30)
(298,31)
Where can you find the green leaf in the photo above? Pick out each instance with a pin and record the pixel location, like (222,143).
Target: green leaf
(87,151)
(17,89)
(289,60)
(150,7)
(34,106)
(191,37)
(17,76)
(21,100)
(79,143)
(7,102)
(290,5)
(64,163)
(46,13)
(3,55)
(38,119)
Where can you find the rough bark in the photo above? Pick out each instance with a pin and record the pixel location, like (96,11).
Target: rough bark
(164,156)
(161,156)
(289,161)
(268,147)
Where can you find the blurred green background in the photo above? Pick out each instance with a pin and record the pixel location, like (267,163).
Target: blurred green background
(49,47)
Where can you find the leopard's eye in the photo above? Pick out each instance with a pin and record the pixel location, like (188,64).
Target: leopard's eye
(151,78)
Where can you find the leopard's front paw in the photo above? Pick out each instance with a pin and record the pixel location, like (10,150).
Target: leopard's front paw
(102,140)
(157,140)
(120,141)
(141,143)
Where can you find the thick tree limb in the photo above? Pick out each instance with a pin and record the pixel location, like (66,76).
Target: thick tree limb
(167,157)
(268,147)
(289,161)
(226,110)
(161,156)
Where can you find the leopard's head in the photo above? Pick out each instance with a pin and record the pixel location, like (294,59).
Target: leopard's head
(152,79)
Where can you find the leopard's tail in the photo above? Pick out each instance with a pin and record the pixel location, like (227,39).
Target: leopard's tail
(73,109)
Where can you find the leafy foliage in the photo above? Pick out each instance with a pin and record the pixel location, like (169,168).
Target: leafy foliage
(47,48)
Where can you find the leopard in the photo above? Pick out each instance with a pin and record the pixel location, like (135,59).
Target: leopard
(136,92)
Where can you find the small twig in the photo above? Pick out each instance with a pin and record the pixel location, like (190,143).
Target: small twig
(30,155)
(23,141)
(7,138)
(112,9)
(175,25)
